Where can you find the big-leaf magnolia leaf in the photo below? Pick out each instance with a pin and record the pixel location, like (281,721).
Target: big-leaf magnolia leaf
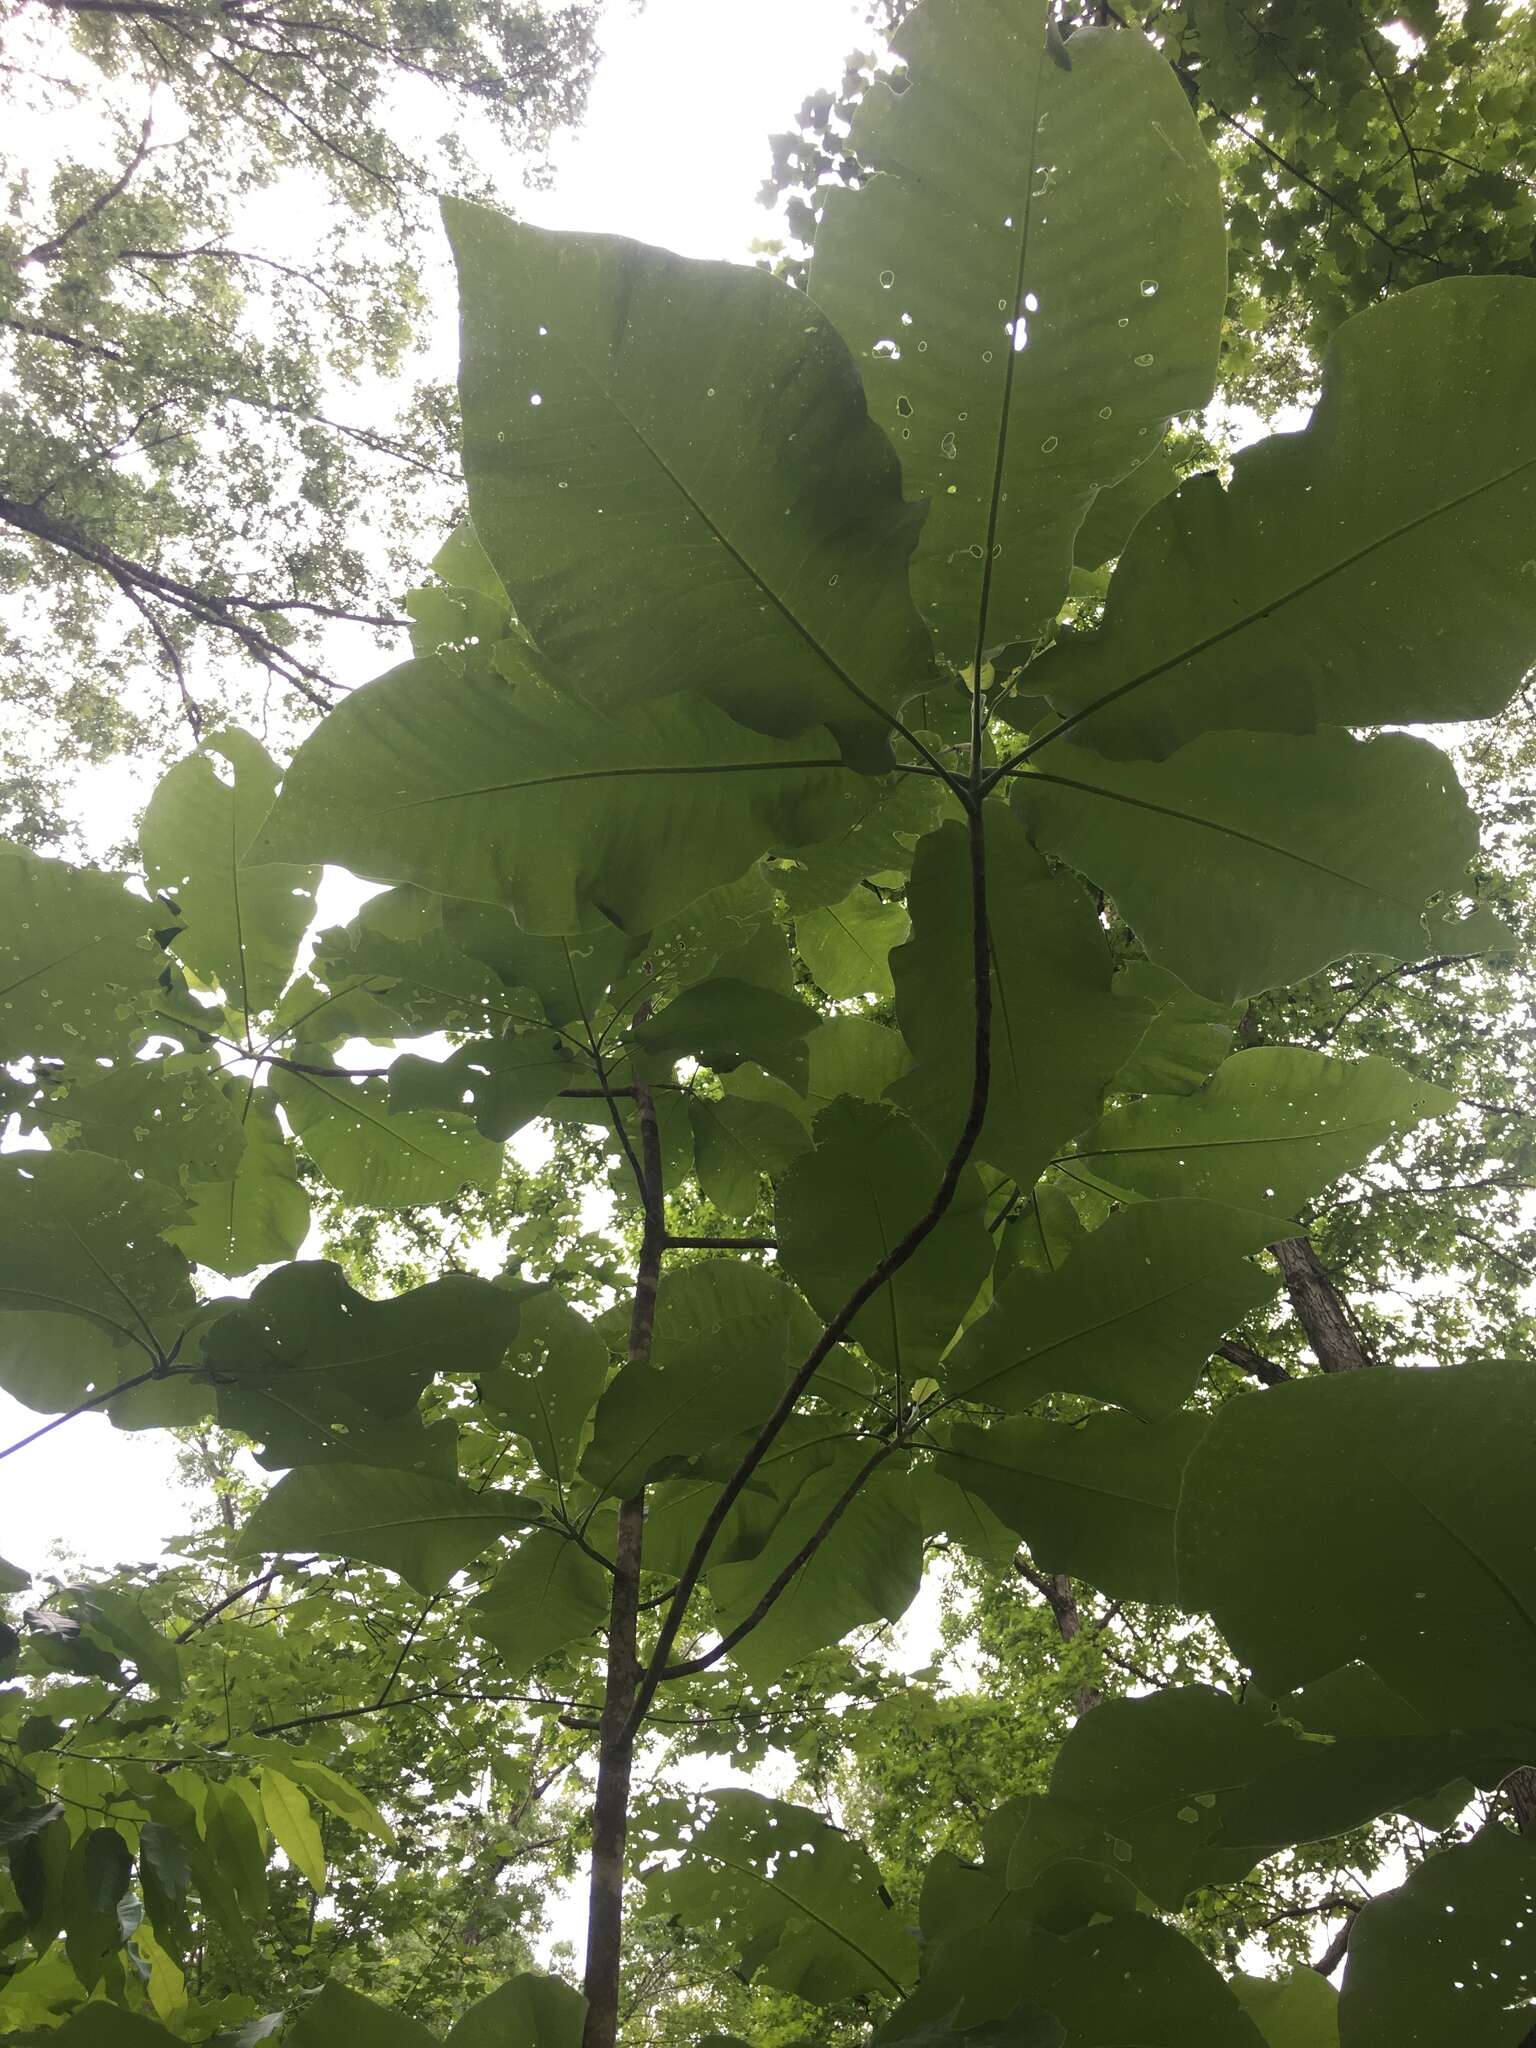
(1125,1978)
(725,1021)
(1200,1788)
(1130,1318)
(315,1372)
(1058,1030)
(528,2011)
(503,1083)
(866,1569)
(422,1527)
(1119,509)
(1414,1487)
(1300,2010)
(80,1236)
(1186,1041)
(722,1383)
(1274,1126)
(375,1157)
(1096,1497)
(78,964)
(496,787)
(1033,283)
(167,1119)
(794,1898)
(1248,860)
(241,926)
(1451,1955)
(672,469)
(736,1141)
(848,1203)
(547,1594)
(847,945)
(337,2014)
(549,1381)
(1369,571)
(307,1317)
(260,1214)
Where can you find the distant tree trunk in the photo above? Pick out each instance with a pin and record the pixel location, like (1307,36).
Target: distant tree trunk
(616,1739)
(1059,1594)
(1320,1307)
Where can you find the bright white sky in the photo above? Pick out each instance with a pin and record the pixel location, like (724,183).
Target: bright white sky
(673,151)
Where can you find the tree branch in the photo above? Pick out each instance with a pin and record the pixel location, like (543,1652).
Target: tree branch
(886,1269)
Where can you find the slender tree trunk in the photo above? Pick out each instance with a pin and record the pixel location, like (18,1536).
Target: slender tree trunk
(1319,1307)
(616,1742)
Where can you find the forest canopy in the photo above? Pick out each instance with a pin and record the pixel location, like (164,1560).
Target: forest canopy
(872,1317)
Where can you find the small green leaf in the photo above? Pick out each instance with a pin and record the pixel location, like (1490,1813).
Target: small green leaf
(287,1814)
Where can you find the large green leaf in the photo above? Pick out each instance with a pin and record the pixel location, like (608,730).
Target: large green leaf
(378,1158)
(422,1527)
(1130,1318)
(724,1021)
(336,2014)
(655,1418)
(1273,1127)
(493,786)
(845,1205)
(78,964)
(736,1141)
(1127,1978)
(847,945)
(260,1215)
(1032,282)
(866,1569)
(528,2011)
(503,1083)
(167,1119)
(1369,571)
(671,467)
(313,1369)
(1405,1500)
(1451,1956)
(1186,1041)
(1200,1788)
(547,1594)
(1096,1498)
(1058,1030)
(1247,860)
(549,1382)
(1297,2011)
(79,1235)
(796,1899)
(240,926)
